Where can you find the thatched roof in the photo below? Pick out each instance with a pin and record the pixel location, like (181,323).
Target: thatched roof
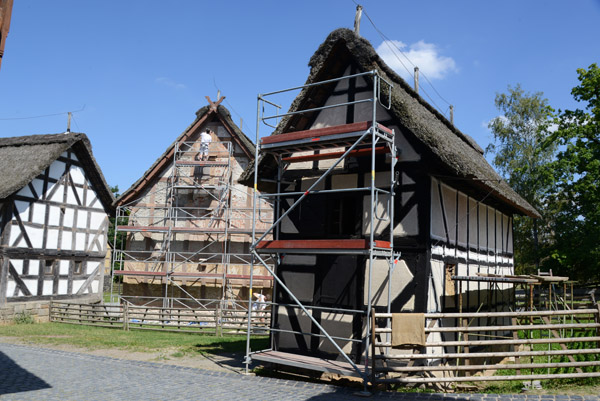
(25,157)
(203,115)
(457,153)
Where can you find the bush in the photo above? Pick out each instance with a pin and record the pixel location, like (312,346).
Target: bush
(24,318)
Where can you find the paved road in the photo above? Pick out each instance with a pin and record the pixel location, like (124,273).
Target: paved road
(31,373)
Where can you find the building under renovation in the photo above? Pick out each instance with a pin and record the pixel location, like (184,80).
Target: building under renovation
(381,202)
(188,223)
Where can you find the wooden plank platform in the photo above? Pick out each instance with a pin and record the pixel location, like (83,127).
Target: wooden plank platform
(190,275)
(320,138)
(192,230)
(308,362)
(320,244)
(201,163)
(334,155)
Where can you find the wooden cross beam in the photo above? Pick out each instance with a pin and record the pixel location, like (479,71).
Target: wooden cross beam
(214,105)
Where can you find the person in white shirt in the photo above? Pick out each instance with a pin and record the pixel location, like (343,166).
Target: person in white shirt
(205,139)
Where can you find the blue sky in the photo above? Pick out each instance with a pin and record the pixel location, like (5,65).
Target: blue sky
(137,71)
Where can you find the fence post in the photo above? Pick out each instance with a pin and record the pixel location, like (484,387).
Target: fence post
(597,319)
(125,316)
(218,320)
(373,363)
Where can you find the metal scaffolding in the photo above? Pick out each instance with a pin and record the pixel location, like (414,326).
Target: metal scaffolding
(162,226)
(367,139)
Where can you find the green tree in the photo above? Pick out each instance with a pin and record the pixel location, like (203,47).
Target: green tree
(116,242)
(576,201)
(516,151)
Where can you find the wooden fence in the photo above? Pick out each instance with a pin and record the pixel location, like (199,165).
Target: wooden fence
(494,346)
(214,320)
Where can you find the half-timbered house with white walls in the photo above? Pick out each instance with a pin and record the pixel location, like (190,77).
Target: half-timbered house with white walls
(188,221)
(55,205)
(448,212)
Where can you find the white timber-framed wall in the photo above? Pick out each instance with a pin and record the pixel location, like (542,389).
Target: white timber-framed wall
(54,236)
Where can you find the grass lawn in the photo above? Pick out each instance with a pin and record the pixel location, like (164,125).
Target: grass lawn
(135,340)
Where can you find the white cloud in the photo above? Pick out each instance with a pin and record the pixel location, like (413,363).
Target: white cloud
(423,55)
(170,83)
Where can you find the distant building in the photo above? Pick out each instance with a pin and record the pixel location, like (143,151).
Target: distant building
(54,208)
(5,12)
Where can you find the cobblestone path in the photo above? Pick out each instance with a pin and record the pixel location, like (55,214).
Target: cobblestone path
(31,373)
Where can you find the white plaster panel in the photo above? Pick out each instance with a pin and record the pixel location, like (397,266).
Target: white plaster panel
(499,238)
(36,236)
(483,226)
(71,200)
(18,265)
(57,169)
(69,217)
(58,194)
(462,219)
(82,216)
(73,157)
(306,183)
(34,267)
(62,287)
(337,325)
(287,226)
(77,285)
(67,241)
(473,223)
(401,277)
(77,175)
(91,198)
(22,210)
(301,284)
(437,223)
(39,213)
(10,288)
(449,199)
(47,287)
(91,266)
(409,224)
(491,222)
(288,340)
(97,220)
(31,284)
(340,181)
(53,215)
(80,241)
(381,219)
(95,286)
(382,179)
(364,111)
(407,152)
(63,267)
(79,193)
(52,239)
(436,286)
(510,236)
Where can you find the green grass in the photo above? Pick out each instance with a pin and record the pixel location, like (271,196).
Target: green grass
(142,341)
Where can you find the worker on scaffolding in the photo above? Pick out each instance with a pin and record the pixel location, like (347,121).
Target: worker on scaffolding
(260,305)
(205,139)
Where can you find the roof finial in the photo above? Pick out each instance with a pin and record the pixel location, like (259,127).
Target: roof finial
(69,122)
(357,20)
(214,105)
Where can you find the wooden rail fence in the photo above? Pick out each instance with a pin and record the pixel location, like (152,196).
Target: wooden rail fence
(494,346)
(127,317)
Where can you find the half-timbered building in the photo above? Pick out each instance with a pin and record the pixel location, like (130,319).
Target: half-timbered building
(187,220)
(54,204)
(452,213)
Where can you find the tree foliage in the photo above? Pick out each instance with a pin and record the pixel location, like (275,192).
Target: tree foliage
(519,156)
(576,198)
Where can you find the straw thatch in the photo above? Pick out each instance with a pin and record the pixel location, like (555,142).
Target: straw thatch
(457,154)
(203,115)
(24,158)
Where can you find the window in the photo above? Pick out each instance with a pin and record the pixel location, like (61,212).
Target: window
(49,267)
(78,267)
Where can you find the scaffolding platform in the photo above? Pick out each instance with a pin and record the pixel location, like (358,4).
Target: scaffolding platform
(188,230)
(321,138)
(189,275)
(307,362)
(329,246)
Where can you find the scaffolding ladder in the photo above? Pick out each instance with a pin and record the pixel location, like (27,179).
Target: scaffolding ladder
(365,138)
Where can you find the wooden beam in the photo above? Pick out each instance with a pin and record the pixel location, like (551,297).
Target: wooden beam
(321,244)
